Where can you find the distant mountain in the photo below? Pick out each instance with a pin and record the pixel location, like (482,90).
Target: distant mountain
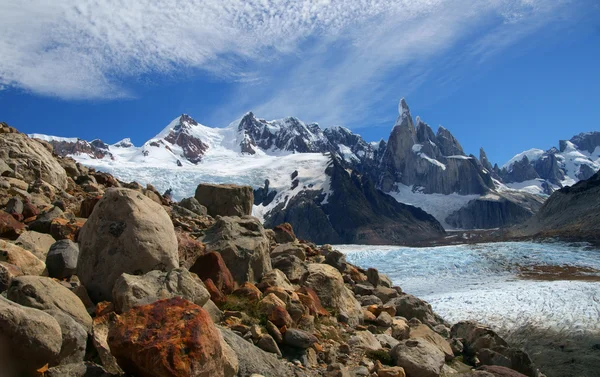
(415,166)
(541,171)
(570,212)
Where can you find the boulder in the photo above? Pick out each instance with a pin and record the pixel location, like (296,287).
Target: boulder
(74,338)
(211,266)
(25,260)
(268,344)
(168,338)
(9,227)
(426,333)
(418,357)
(193,205)
(476,336)
(100,330)
(409,306)
(400,329)
(132,290)
(32,160)
(284,233)
(43,222)
(365,340)
(61,261)
(126,233)
(291,266)
(328,283)
(37,243)
(29,339)
(225,199)
(7,273)
(253,360)
(244,246)
(299,338)
(14,206)
(275,278)
(46,294)
(289,248)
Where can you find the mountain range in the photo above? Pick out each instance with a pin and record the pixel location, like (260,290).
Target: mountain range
(331,184)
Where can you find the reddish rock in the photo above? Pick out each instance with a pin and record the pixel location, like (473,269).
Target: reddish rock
(87,206)
(104,307)
(63,229)
(284,233)
(310,299)
(168,338)
(30,210)
(499,371)
(9,227)
(189,249)
(280,317)
(211,266)
(215,294)
(249,291)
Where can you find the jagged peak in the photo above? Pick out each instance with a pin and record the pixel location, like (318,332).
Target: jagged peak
(403,109)
(125,143)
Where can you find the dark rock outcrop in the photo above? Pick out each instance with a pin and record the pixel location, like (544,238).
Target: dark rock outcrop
(571,212)
(354,212)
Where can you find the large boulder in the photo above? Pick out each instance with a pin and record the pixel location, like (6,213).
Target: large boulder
(29,339)
(46,294)
(244,246)
(32,160)
(132,290)
(409,306)
(126,233)
(418,357)
(225,199)
(25,260)
(169,338)
(328,283)
(426,333)
(476,336)
(61,260)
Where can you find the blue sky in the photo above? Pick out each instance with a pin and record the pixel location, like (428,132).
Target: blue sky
(507,75)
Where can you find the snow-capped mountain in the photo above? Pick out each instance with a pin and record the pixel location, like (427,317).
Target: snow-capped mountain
(540,171)
(292,165)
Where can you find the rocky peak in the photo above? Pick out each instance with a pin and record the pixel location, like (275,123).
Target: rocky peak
(448,144)
(125,143)
(586,141)
(484,160)
(182,134)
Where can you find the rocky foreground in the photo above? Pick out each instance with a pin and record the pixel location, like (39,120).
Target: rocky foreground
(105,278)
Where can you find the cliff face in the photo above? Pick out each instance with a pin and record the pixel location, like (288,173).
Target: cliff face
(571,212)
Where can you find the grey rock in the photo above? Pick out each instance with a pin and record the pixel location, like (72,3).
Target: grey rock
(194,206)
(126,233)
(289,248)
(37,243)
(225,199)
(29,338)
(253,360)
(74,338)
(409,306)
(418,357)
(23,259)
(14,205)
(370,300)
(244,246)
(298,338)
(43,293)
(43,221)
(133,290)
(386,341)
(291,266)
(7,273)
(61,261)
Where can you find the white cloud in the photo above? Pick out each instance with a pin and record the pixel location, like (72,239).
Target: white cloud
(324,60)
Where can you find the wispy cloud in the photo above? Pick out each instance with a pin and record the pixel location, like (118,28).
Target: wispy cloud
(324,60)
